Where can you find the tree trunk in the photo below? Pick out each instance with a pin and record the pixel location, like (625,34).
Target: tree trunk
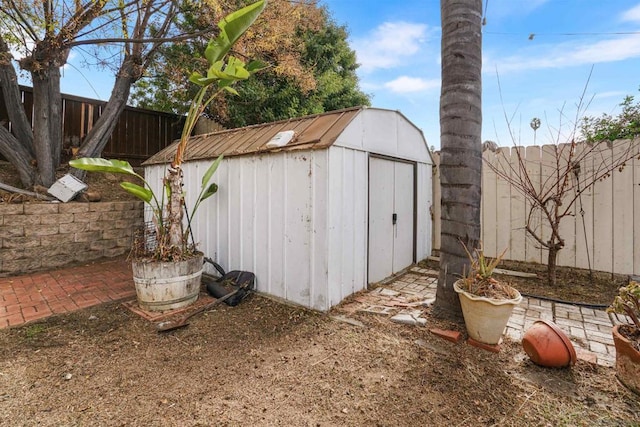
(13,151)
(47,122)
(461,151)
(17,146)
(552,261)
(20,125)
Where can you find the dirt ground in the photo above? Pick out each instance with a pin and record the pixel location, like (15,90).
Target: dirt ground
(104,184)
(267,363)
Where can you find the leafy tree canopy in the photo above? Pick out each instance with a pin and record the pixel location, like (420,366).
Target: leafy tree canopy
(312,69)
(625,125)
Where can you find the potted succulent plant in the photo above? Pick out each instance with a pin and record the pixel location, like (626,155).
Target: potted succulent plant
(167,267)
(626,337)
(486,303)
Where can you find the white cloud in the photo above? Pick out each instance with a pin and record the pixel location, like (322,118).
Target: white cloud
(632,15)
(388,44)
(610,94)
(570,54)
(405,84)
(500,9)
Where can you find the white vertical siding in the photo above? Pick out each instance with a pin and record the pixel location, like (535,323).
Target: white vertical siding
(320,286)
(269,217)
(347,214)
(276,214)
(298,231)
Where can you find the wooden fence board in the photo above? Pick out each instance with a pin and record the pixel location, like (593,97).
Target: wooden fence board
(568,225)
(533,250)
(548,178)
(603,221)
(138,134)
(488,211)
(603,229)
(503,211)
(636,210)
(584,215)
(622,209)
(518,233)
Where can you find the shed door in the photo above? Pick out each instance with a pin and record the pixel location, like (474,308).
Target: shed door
(391,217)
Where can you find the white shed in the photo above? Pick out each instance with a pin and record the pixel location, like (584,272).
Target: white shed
(343,204)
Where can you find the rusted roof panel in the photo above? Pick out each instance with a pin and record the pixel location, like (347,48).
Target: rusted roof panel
(311,132)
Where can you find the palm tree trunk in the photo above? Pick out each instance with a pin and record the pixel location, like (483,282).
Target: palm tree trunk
(461,151)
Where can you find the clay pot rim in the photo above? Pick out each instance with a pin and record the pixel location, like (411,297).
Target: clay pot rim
(560,333)
(493,301)
(615,330)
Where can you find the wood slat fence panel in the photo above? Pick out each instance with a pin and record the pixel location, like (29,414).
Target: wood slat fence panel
(138,134)
(603,230)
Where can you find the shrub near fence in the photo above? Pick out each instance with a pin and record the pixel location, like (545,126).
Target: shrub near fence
(609,237)
(38,236)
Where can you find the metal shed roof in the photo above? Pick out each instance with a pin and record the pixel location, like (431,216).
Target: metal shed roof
(311,132)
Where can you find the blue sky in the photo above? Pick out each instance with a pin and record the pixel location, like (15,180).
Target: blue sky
(398,47)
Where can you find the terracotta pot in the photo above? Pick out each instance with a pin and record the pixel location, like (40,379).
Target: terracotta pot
(548,346)
(627,361)
(485,318)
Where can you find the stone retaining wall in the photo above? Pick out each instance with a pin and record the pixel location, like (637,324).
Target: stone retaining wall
(38,236)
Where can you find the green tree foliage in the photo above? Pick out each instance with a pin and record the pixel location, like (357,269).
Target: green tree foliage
(312,70)
(625,125)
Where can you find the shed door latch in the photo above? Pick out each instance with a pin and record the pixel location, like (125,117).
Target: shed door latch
(394,218)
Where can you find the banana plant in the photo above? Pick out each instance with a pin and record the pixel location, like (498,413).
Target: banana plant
(223,72)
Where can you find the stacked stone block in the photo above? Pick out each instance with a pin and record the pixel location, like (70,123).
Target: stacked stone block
(37,236)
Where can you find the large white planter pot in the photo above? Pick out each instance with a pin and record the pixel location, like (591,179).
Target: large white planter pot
(485,318)
(164,286)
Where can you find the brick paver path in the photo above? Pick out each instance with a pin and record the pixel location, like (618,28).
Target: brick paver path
(39,295)
(588,329)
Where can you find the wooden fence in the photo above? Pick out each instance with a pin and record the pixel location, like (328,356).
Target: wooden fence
(138,134)
(603,230)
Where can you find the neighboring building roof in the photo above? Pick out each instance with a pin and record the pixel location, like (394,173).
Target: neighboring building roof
(311,133)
